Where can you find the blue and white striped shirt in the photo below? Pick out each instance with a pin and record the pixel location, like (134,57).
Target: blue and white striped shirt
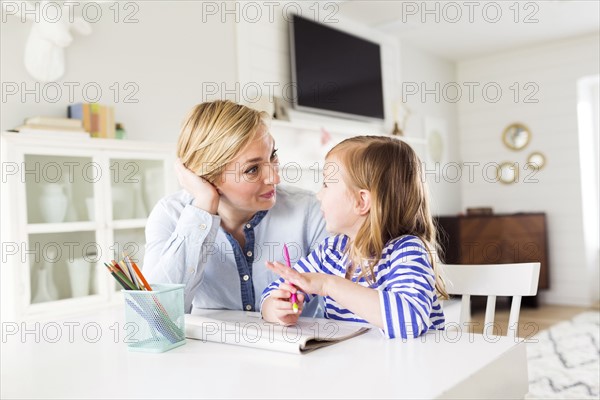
(404,278)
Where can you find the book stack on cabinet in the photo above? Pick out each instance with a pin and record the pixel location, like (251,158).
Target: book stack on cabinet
(97,119)
(53,126)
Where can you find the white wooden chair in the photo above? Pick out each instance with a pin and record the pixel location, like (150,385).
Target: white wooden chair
(491,280)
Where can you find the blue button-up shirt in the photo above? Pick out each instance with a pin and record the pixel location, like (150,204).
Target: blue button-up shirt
(187,245)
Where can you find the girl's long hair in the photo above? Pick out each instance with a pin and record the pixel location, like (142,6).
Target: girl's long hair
(391,171)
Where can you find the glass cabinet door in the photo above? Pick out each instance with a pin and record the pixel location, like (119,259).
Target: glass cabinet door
(136,186)
(59,189)
(63,265)
(68,208)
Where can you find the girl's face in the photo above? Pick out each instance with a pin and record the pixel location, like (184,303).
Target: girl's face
(338,204)
(248,182)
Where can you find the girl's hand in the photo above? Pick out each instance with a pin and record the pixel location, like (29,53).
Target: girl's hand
(310,282)
(278,307)
(206,196)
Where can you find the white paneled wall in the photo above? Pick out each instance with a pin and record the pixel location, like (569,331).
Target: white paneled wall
(420,68)
(552,71)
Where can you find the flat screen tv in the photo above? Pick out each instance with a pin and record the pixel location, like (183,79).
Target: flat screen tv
(334,72)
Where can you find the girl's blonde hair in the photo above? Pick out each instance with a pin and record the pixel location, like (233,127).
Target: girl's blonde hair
(391,171)
(214,133)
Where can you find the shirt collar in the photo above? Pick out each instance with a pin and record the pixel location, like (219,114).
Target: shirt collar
(255,220)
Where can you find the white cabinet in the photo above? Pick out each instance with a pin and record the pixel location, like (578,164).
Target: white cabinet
(67,207)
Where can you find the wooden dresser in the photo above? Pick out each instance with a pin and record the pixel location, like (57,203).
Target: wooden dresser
(496,239)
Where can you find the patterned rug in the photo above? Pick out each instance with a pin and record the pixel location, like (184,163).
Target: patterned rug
(564,363)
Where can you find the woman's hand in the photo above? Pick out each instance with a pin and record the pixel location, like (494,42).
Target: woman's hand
(206,196)
(310,282)
(278,307)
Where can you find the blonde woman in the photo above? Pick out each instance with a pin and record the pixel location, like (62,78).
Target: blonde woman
(216,234)
(380,267)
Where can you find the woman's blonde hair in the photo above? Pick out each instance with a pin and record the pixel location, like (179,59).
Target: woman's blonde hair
(391,171)
(214,133)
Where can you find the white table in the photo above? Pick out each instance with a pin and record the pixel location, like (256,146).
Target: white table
(90,360)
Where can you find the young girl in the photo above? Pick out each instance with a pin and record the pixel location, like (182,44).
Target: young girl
(379,267)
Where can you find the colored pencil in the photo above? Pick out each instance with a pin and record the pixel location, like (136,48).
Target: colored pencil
(134,278)
(120,274)
(141,276)
(121,268)
(293,298)
(117,278)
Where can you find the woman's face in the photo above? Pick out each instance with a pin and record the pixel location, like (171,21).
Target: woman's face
(248,182)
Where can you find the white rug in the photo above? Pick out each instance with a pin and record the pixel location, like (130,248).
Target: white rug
(564,363)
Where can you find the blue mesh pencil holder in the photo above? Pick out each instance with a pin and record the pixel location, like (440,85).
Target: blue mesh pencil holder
(157,318)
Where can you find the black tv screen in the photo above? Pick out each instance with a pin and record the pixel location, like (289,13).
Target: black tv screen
(335,72)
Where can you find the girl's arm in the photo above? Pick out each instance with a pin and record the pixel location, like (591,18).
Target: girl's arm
(275,302)
(407,290)
(401,306)
(362,301)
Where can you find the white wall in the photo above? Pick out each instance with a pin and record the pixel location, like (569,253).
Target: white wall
(167,55)
(420,68)
(554,68)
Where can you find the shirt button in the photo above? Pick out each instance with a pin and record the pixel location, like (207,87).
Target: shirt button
(248,226)
(249,254)
(203,226)
(248,307)
(245,277)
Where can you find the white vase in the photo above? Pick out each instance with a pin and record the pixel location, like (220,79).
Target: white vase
(71,211)
(42,294)
(53,203)
(79,276)
(46,290)
(122,202)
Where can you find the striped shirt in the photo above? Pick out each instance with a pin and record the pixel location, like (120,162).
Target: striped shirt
(404,279)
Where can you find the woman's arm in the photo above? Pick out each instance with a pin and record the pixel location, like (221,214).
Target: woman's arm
(179,240)
(206,196)
(180,237)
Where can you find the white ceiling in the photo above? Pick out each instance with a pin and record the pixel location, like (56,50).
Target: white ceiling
(407,20)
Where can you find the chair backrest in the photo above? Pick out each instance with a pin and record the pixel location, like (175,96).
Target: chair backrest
(491,280)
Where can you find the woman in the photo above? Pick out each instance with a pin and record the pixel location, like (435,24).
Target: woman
(216,234)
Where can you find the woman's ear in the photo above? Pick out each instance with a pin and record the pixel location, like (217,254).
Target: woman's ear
(363,202)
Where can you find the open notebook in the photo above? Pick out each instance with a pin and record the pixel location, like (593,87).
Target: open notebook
(249,329)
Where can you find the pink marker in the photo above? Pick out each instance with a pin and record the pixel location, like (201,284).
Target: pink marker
(293,299)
